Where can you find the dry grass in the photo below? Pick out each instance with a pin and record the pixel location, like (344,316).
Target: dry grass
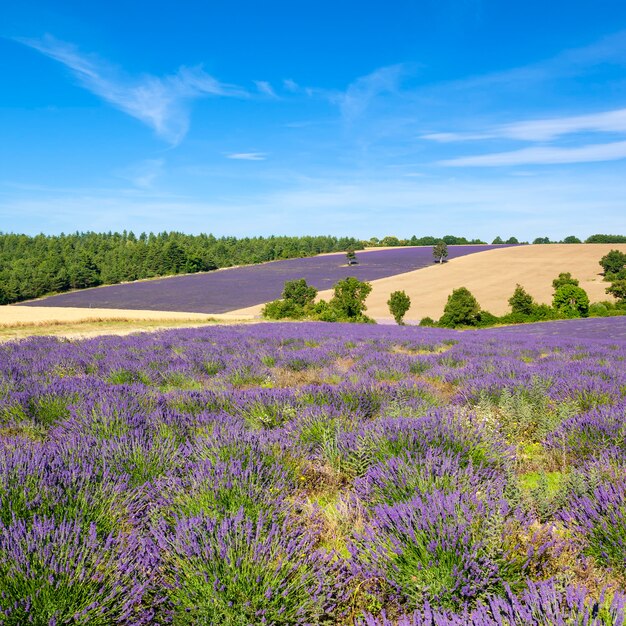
(19,322)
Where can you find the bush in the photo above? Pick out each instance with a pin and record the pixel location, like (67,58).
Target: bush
(462,309)
(399,304)
(349,298)
(297,300)
(571,301)
(613,262)
(487,319)
(282,309)
(521,301)
(298,292)
(618,290)
(427,321)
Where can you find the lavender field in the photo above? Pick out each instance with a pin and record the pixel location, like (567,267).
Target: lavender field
(237,288)
(315,473)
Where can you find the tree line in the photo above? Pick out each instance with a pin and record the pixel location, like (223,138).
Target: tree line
(34,266)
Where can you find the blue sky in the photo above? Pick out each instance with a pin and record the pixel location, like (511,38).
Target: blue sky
(471,117)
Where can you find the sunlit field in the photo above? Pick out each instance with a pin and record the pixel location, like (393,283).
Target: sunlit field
(315,474)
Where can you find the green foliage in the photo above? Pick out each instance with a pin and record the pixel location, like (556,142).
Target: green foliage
(349,297)
(298,292)
(427,321)
(498,240)
(486,319)
(296,303)
(564,278)
(440,251)
(571,301)
(572,239)
(606,239)
(462,309)
(521,301)
(399,304)
(351,255)
(618,289)
(347,304)
(541,240)
(512,240)
(613,262)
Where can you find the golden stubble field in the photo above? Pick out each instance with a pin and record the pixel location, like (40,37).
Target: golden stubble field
(17,322)
(492,275)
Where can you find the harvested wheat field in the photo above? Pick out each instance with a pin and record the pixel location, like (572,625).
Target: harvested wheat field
(492,275)
(17,321)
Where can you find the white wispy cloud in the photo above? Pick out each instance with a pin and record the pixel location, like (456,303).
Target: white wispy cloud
(543,156)
(291,85)
(247,156)
(543,129)
(162,103)
(265,88)
(358,96)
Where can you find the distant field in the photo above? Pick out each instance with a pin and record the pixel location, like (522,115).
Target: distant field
(492,278)
(237,288)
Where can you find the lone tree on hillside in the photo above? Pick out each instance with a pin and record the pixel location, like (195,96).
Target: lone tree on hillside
(521,301)
(571,301)
(440,251)
(399,304)
(462,309)
(613,262)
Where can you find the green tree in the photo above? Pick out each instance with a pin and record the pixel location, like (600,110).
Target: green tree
(512,240)
(497,240)
(564,278)
(351,256)
(299,292)
(296,303)
(571,301)
(391,241)
(613,262)
(440,251)
(572,239)
(349,297)
(398,303)
(542,240)
(462,309)
(522,302)
(618,289)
